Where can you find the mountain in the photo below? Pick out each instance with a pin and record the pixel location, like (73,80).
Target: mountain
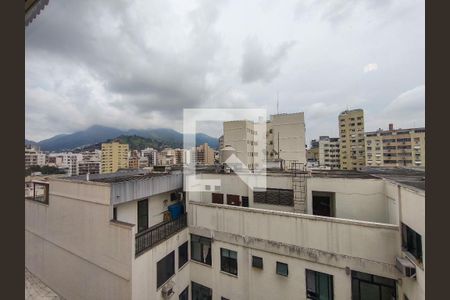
(93,136)
(30,142)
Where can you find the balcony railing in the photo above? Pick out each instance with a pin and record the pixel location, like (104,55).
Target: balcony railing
(149,238)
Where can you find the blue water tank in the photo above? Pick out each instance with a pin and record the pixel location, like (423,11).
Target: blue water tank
(176,210)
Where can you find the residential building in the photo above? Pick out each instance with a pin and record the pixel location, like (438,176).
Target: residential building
(286,137)
(180,156)
(143,162)
(88,166)
(133,162)
(395,147)
(34,157)
(351,133)
(328,152)
(284,140)
(152,156)
(221,142)
(114,157)
(357,235)
(203,155)
(167,157)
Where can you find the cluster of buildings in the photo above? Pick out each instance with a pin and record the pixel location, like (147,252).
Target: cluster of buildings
(356,148)
(115,156)
(203,232)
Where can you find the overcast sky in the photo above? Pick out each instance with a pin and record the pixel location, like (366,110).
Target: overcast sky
(137,64)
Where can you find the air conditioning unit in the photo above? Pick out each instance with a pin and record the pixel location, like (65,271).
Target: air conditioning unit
(405,266)
(167,290)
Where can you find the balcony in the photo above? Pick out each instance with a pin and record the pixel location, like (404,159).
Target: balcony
(149,238)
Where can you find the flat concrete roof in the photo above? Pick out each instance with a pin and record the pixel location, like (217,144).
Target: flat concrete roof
(120,176)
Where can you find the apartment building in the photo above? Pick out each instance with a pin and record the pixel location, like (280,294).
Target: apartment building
(360,235)
(351,133)
(203,155)
(88,166)
(286,137)
(167,157)
(284,140)
(34,157)
(114,157)
(395,147)
(328,152)
(152,156)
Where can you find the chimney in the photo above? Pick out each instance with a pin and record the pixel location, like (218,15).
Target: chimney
(391,126)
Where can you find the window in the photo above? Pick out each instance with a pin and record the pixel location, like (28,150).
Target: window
(228,261)
(244,201)
(207,187)
(368,286)
(257,262)
(233,200)
(114,213)
(182,255)
(184,295)
(319,286)
(165,269)
(282,269)
(142,211)
(40,192)
(412,242)
(274,196)
(201,292)
(217,198)
(323,204)
(201,249)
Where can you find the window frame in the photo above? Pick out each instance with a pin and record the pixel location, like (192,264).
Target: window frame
(202,241)
(181,262)
(314,293)
(258,263)
(229,264)
(278,271)
(164,267)
(408,245)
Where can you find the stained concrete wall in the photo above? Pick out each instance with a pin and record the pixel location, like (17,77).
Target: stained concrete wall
(72,246)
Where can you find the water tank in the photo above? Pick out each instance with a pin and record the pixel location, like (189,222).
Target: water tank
(226,152)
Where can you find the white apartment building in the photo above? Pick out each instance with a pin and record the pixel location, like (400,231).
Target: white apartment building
(152,156)
(329,152)
(34,157)
(284,140)
(359,235)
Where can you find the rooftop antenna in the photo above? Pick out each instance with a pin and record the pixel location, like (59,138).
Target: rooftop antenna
(277,103)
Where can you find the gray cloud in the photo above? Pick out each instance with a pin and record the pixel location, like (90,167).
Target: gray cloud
(138,63)
(259,65)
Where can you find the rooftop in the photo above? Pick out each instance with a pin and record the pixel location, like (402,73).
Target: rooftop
(406,176)
(120,176)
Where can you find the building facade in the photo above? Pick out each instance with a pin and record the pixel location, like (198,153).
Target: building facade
(328,152)
(351,134)
(114,157)
(203,155)
(88,166)
(360,236)
(395,147)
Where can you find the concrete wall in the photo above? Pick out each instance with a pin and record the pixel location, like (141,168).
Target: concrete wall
(356,199)
(157,205)
(72,246)
(322,244)
(145,266)
(252,283)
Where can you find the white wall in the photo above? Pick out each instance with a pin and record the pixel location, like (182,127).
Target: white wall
(72,246)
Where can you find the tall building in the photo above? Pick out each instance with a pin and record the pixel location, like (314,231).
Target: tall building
(88,166)
(351,133)
(114,157)
(286,137)
(152,156)
(328,152)
(395,147)
(167,157)
(203,155)
(34,157)
(285,140)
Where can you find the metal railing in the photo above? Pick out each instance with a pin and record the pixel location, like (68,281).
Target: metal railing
(149,238)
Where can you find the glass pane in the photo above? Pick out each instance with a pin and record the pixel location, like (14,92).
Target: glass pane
(310,281)
(387,293)
(196,251)
(324,286)
(369,291)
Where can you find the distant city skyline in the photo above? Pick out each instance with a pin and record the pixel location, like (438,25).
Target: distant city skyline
(146,61)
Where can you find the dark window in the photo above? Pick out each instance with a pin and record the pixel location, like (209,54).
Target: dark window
(201,249)
(217,198)
(282,269)
(114,213)
(319,286)
(142,215)
(165,269)
(257,262)
(244,201)
(323,204)
(228,261)
(233,200)
(182,255)
(184,295)
(201,292)
(367,286)
(40,192)
(412,242)
(274,196)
